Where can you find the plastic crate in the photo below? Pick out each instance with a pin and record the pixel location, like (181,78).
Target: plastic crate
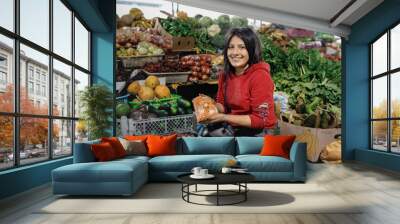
(162,126)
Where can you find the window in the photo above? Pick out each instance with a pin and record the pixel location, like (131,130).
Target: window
(385,97)
(6,73)
(81,45)
(44,91)
(38,89)
(45,74)
(62,29)
(37,75)
(62,78)
(35,21)
(7,14)
(43,77)
(30,73)
(3,78)
(30,87)
(3,72)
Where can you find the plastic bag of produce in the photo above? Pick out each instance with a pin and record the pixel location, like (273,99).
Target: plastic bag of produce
(282,99)
(332,152)
(204,107)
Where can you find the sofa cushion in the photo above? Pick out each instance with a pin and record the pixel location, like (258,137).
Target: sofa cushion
(249,145)
(207,145)
(135,147)
(161,145)
(112,171)
(185,163)
(83,152)
(257,163)
(103,151)
(116,145)
(277,145)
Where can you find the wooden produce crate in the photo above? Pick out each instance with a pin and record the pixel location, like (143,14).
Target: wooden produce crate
(178,43)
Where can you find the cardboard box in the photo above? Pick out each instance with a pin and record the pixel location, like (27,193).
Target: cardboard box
(178,43)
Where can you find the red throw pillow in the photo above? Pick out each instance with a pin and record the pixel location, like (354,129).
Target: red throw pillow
(161,145)
(116,145)
(277,145)
(103,151)
(136,137)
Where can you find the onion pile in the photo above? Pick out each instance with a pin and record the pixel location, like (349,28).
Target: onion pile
(200,65)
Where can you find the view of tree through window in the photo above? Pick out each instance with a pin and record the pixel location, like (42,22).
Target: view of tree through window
(48,81)
(385,97)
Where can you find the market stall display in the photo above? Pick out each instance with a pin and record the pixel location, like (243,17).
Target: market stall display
(187,52)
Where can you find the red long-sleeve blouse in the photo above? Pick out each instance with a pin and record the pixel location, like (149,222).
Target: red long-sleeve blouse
(251,93)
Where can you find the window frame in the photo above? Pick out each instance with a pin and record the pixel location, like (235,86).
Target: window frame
(388,74)
(16,114)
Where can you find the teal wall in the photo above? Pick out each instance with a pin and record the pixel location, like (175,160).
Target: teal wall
(356,86)
(99,16)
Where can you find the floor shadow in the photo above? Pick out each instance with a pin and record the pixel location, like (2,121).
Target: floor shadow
(255,198)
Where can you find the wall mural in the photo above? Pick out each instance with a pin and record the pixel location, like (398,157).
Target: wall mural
(170,76)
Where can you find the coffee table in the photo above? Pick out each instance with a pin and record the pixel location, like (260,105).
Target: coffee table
(238,179)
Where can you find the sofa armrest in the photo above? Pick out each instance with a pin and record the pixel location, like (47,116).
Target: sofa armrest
(83,153)
(298,155)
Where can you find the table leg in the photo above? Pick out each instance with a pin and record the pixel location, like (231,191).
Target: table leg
(245,193)
(196,188)
(217,194)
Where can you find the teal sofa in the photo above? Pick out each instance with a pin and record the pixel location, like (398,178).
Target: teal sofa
(125,176)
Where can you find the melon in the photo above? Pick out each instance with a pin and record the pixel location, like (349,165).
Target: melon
(134,88)
(162,91)
(152,81)
(146,93)
(123,109)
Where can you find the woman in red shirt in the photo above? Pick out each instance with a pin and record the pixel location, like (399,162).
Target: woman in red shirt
(245,89)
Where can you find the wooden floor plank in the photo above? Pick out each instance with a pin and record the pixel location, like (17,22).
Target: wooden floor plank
(377,191)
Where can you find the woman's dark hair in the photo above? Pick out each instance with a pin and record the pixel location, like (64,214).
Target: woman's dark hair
(251,42)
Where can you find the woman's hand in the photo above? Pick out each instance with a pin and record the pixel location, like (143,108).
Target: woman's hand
(216,118)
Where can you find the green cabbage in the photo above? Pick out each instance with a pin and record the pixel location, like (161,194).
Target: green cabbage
(239,22)
(205,21)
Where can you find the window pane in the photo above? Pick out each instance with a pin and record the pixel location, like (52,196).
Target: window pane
(35,101)
(395,47)
(81,45)
(6,74)
(395,136)
(379,97)
(33,139)
(379,55)
(395,94)
(7,14)
(62,89)
(62,141)
(62,29)
(81,132)
(35,21)
(379,135)
(6,142)
(81,81)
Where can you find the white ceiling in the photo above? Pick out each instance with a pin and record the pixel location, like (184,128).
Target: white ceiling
(317,15)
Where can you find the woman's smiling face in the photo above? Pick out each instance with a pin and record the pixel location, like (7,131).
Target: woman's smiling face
(237,53)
